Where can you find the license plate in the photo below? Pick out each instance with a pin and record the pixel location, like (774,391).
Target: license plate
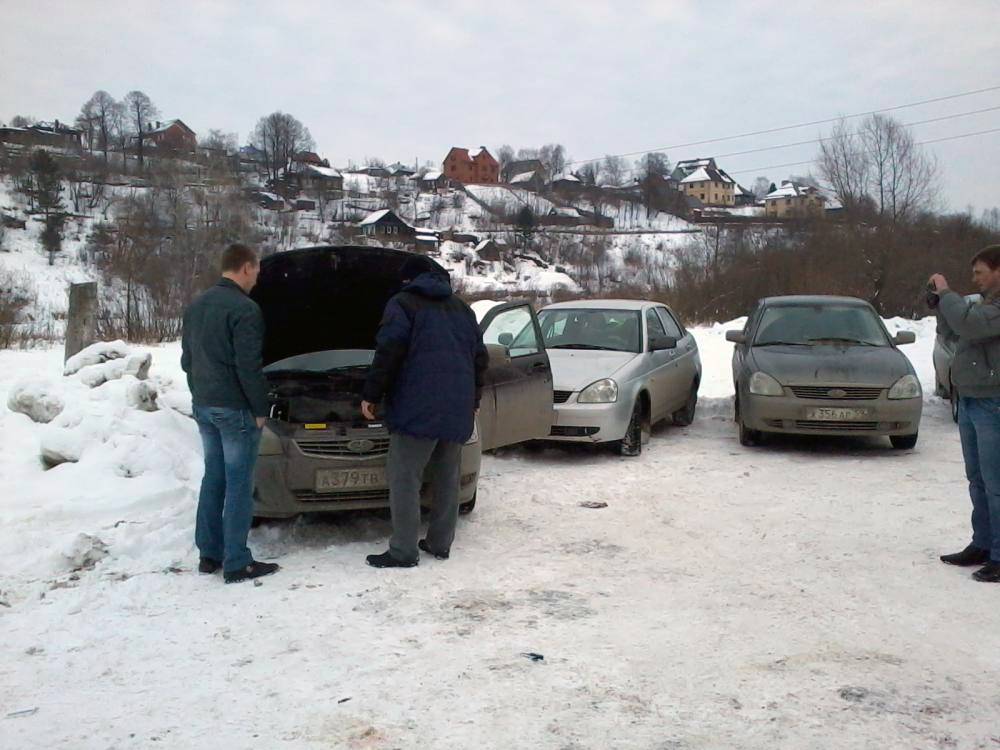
(332,480)
(833,414)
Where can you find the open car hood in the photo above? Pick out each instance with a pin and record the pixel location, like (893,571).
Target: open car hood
(322,298)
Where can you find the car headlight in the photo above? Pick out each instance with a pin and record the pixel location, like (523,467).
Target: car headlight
(762,384)
(270,443)
(602,392)
(474,437)
(906,387)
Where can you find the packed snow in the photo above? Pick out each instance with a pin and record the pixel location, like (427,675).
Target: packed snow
(786,596)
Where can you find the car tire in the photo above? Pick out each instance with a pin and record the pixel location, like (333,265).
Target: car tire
(631,444)
(903,442)
(467,507)
(685,415)
(747,436)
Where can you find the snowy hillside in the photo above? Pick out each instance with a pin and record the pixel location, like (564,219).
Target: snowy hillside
(788,596)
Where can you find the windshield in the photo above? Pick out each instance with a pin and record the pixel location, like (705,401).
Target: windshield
(587,328)
(326,361)
(808,325)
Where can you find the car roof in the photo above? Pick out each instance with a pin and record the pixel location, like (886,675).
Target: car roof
(813,299)
(602,304)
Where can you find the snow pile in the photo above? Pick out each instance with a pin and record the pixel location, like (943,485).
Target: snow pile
(36,399)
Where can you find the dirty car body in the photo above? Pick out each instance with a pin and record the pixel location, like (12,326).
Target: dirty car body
(322,307)
(823,365)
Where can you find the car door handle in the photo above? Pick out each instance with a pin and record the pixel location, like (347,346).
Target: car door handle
(539,367)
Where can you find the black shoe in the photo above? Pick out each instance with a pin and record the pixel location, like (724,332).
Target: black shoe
(208,565)
(253,570)
(968,556)
(386,560)
(437,555)
(989,573)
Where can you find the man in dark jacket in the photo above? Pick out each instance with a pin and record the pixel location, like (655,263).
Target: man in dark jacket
(221,353)
(428,373)
(975,373)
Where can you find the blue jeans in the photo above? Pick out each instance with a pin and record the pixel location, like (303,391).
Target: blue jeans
(225,506)
(979,427)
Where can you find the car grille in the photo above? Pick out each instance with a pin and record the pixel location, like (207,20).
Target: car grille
(822,424)
(325,448)
(561,397)
(850,392)
(311,496)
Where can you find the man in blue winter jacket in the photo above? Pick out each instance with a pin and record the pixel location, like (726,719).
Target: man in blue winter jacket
(428,376)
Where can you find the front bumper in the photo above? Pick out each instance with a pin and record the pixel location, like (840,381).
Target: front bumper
(285,483)
(590,423)
(791,415)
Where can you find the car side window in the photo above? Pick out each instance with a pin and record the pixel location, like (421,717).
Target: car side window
(514,329)
(653,325)
(670,325)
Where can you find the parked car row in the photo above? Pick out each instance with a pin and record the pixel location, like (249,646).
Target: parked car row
(597,371)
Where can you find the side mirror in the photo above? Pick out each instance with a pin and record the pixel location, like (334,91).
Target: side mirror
(659,343)
(505,339)
(904,337)
(736,337)
(499,355)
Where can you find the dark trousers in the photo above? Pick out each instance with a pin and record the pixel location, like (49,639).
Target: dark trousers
(409,458)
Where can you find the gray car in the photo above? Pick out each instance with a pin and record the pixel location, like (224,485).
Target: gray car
(322,308)
(822,365)
(618,366)
(944,354)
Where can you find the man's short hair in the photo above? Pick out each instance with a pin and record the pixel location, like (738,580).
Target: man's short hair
(235,256)
(989,255)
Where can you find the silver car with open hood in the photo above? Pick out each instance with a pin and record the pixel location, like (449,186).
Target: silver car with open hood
(322,308)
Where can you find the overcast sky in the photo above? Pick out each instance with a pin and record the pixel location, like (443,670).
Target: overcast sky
(407,80)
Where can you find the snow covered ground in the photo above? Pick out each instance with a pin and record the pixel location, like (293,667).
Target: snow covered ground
(788,596)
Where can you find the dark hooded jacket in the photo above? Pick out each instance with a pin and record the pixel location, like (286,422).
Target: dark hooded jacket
(429,362)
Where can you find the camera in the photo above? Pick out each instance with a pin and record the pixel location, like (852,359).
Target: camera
(932,298)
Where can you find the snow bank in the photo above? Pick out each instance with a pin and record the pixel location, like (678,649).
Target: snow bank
(38,399)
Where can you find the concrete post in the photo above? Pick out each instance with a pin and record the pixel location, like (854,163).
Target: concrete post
(81,321)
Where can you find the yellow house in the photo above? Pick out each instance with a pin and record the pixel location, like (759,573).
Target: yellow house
(793,199)
(710,185)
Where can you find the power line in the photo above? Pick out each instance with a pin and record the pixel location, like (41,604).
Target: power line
(827,138)
(921,143)
(794,127)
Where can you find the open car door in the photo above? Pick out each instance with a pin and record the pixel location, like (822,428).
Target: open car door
(517,398)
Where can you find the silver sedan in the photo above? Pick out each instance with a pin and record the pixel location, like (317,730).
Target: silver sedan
(618,367)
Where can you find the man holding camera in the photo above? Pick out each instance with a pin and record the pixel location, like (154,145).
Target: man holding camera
(975,374)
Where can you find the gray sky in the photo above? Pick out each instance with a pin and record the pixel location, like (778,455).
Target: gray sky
(401,80)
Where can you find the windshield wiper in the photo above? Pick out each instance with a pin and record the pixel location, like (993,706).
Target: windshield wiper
(843,341)
(584,346)
(784,343)
(314,373)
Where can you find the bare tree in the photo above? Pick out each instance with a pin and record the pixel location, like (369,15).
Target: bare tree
(505,155)
(652,171)
(553,156)
(23,121)
(139,113)
(880,166)
(279,136)
(761,187)
(96,119)
(614,169)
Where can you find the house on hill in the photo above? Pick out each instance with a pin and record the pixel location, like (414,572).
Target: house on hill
(172,136)
(387,226)
(794,200)
(513,168)
(54,134)
(532,180)
(475,165)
